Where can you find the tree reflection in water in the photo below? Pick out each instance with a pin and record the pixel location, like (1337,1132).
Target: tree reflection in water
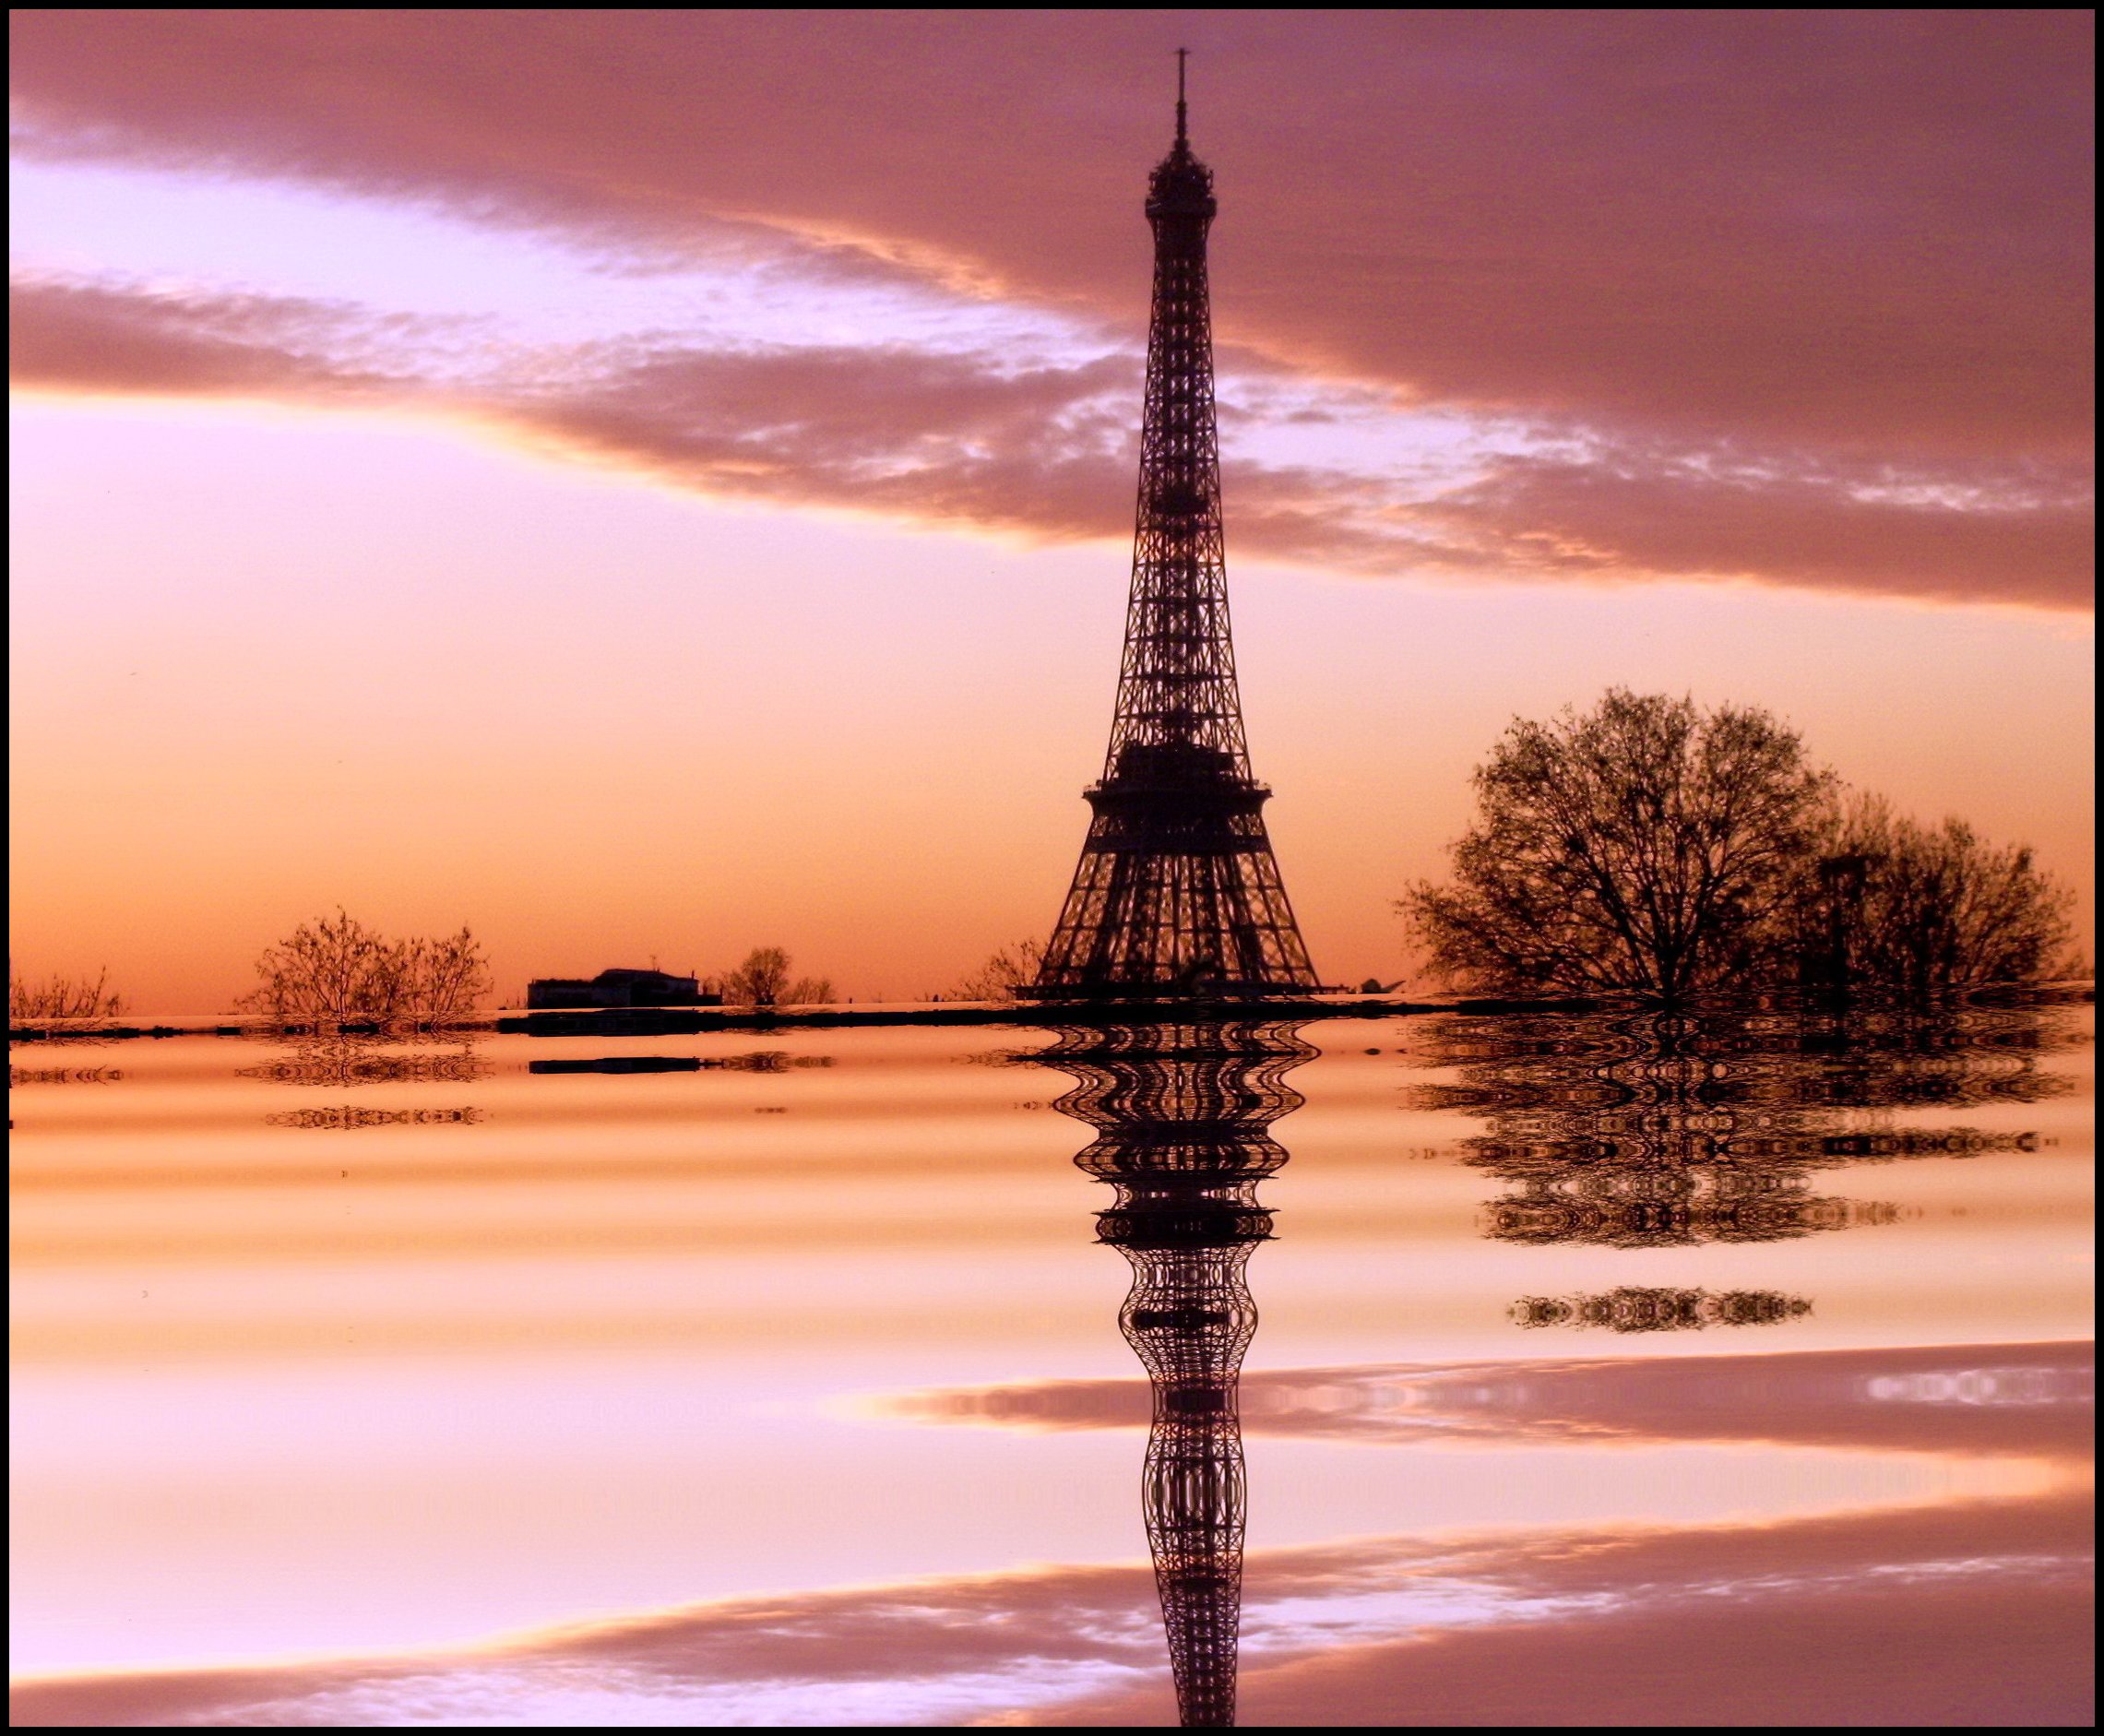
(1659,1129)
(1183,1113)
(1649,1308)
(342,1061)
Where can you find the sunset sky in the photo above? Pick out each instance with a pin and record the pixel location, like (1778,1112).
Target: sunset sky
(653,483)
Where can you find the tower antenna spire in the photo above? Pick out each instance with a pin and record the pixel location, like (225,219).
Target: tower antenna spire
(1183,54)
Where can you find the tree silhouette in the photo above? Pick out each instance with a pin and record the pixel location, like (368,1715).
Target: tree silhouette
(1888,905)
(62,997)
(760,980)
(338,971)
(1650,848)
(1644,846)
(763,980)
(1004,973)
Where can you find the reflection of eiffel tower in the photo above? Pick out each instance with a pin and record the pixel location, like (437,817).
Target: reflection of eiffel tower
(1182,1114)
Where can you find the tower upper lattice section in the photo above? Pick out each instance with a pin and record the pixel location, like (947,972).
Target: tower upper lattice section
(1176,690)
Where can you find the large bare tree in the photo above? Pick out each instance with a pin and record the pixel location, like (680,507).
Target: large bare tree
(1644,846)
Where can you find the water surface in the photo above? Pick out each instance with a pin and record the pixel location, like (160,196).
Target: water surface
(1638,1371)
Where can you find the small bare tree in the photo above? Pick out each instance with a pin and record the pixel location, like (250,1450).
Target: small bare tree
(333,972)
(1644,846)
(325,970)
(808,992)
(1885,905)
(62,997)
(446,979)
(759,982)
(1008,970)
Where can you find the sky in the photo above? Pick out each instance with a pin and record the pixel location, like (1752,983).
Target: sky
(652,484)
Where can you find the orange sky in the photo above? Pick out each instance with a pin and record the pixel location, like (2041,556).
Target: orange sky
(654,483)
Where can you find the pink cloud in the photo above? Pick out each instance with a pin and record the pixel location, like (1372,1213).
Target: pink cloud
(1612,516)
(88,338)
(1857,229)
(1046,450)
(2029,1400)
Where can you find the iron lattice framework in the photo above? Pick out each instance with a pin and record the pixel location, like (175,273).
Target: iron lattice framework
(1182,1114)
(1177,891)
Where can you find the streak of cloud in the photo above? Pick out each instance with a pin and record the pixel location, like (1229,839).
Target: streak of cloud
(2025,1400)
(1044,450)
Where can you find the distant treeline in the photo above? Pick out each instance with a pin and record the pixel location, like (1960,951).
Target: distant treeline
(61,997)
(333,972)
(336,972)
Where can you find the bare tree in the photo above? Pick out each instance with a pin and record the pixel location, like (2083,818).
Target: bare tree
(327,971)
(1885,905)
(1646,846)
(808,992)
(1009,970)
(332,972)
(759,982)
(445,979)
(62,997)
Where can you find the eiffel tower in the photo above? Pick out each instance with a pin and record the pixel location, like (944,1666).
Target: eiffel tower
(1183,1112)
(1177,893)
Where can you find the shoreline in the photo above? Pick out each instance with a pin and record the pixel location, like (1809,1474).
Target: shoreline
(685,1021)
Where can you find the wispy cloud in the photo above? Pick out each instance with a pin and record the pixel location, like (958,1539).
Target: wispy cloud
(1043,447)
(2027,1401)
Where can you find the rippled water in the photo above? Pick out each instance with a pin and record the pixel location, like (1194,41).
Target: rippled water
(1609,1371)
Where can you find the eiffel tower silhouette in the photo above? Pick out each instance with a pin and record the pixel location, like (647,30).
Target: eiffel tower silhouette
(1177,892)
